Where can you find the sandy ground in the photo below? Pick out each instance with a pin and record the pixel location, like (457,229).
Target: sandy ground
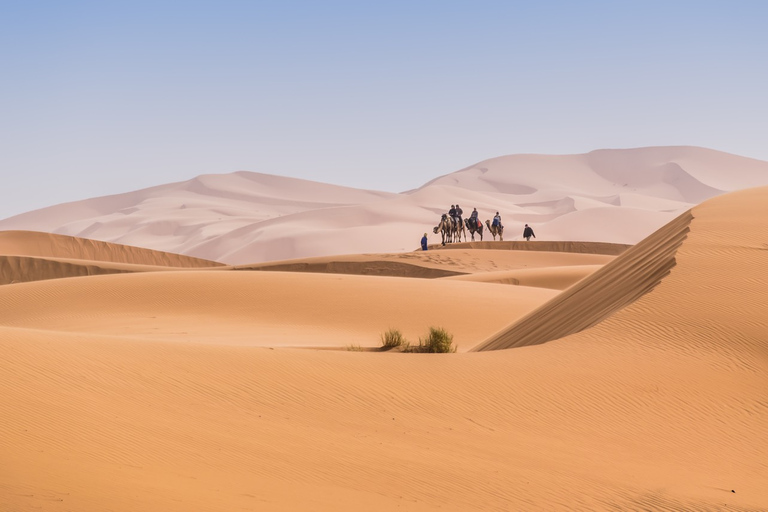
(635,381)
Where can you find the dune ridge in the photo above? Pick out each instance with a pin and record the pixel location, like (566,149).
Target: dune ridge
(367,268)
(22,269)
(29,243)
(580,247)
(619,283)
(32,256)
(463,260)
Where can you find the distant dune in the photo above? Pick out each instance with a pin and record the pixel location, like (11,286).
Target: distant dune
(618,196)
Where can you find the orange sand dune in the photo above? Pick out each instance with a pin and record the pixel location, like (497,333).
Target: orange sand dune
(32,243)
(548,245)
(614,286)
(660,405)
(20,269)
(556,278)
(31,256)
(265,308)
(435,263)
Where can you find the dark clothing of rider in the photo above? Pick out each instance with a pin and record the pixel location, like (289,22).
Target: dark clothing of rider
(528,233)
(473,218)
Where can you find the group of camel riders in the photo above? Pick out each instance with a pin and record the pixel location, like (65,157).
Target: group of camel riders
(452,227)
(456,212)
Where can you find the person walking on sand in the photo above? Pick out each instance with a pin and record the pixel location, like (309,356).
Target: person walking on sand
(528,233)
(424,242)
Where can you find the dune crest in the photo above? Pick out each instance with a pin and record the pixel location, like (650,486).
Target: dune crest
(28,243)
(31,256)
(619,283)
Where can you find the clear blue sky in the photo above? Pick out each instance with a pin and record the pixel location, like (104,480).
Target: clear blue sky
(101,97)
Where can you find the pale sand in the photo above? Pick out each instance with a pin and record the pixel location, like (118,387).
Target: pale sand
(618,196)
(657,406)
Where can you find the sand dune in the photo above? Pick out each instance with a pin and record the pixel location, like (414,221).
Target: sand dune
(556,278)
(150,391)
(264,308)
(31,256)
(20,269)
(556,246)
(618,196)
(611,288)
(26,243)
(452,260)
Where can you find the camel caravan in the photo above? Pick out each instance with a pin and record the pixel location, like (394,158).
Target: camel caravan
(452,227)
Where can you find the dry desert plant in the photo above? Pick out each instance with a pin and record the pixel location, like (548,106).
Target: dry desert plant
(438,341)
(393,338)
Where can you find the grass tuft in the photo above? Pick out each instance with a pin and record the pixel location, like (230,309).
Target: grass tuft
(393,338)
(438,341)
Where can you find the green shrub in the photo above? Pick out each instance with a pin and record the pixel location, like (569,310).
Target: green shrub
(392,339)
(438,341)
(354,348)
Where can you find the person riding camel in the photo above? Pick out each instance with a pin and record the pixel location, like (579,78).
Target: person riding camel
(474,221)
(497,221)
(459,213)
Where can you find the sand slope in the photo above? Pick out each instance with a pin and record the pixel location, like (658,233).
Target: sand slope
(32,256)
(611,288)
(26,243)
(618,196)
(20,269)
(660,406)
(451,260)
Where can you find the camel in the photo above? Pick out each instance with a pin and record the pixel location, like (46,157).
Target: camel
(495,230)
(445,228)
(458,230)
(474,229)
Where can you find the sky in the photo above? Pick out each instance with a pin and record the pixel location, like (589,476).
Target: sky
(100,98)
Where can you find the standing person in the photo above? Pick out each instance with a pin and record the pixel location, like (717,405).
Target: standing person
(424,242)
(459,213)
(528,233)
(497,221)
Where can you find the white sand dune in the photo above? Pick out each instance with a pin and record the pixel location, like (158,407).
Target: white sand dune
(604,196)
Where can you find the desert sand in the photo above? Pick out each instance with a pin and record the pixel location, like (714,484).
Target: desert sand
(619,196)
(33,256)
(589,380)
